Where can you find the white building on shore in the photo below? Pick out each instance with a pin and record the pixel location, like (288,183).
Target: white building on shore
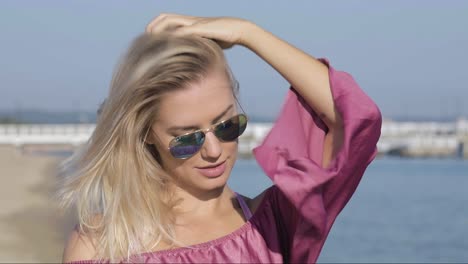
(425,139)
(414,139)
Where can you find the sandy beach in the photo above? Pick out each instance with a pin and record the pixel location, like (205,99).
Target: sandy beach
(32,228)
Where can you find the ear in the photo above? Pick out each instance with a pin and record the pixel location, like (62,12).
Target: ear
(154,152)
(149,137)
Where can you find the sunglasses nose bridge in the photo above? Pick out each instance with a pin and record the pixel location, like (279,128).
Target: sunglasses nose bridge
(206,130)
(212,145)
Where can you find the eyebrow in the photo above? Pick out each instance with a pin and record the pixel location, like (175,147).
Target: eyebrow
(189,128)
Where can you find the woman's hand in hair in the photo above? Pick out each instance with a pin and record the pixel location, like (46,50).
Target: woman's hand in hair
(226,31)
(306,74)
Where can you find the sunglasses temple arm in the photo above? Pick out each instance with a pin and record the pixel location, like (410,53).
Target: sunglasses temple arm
(237,100)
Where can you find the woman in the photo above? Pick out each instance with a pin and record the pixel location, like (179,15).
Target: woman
(151,184)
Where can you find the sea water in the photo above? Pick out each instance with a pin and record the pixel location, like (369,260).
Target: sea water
(404,210)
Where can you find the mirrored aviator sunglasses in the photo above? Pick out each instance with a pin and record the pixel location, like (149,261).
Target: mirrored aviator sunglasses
(187,145)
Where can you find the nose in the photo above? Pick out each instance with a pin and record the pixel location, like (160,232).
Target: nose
(212,148)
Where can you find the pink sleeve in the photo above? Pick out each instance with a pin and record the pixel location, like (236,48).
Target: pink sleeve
(309,197)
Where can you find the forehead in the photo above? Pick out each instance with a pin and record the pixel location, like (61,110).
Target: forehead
(200,102)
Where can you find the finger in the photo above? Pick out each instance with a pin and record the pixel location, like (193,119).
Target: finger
(156,20)
(193,29)
(167,22)
(183,31)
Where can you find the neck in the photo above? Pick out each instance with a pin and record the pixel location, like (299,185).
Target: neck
(203,203)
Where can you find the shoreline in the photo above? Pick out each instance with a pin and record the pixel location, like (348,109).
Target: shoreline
(32,227)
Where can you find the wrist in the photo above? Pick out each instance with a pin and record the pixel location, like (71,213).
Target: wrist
(249,31)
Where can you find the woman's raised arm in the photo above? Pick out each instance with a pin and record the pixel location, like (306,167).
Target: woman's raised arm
(307,75)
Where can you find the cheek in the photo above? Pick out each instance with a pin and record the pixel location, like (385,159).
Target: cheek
(230,148)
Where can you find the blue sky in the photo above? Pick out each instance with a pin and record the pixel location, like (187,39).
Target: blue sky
(409,56)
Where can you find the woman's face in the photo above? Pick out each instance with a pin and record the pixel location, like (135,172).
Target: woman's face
(198,106)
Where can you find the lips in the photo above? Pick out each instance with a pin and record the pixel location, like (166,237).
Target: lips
(213,170)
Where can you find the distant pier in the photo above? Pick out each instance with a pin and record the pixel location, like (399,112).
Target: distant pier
(406,139)
(425,139)
(67,137)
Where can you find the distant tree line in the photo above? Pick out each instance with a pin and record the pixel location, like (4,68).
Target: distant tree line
(8,120)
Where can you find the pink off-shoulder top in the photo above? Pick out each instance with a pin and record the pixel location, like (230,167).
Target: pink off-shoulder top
(298,211)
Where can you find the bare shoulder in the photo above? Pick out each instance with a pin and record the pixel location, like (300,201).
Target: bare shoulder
(79,247)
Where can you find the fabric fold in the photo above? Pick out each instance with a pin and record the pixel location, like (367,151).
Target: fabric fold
(291,155)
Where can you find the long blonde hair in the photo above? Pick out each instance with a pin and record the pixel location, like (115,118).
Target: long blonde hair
(116,182)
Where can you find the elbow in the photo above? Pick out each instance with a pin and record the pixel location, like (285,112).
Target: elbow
(374,112)
(375,115)
(367,112)
(374,123)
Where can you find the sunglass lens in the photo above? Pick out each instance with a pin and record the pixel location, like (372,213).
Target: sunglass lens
(231,129)
(185,146)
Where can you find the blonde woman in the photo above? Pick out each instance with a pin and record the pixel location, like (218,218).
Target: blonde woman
(150,186)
